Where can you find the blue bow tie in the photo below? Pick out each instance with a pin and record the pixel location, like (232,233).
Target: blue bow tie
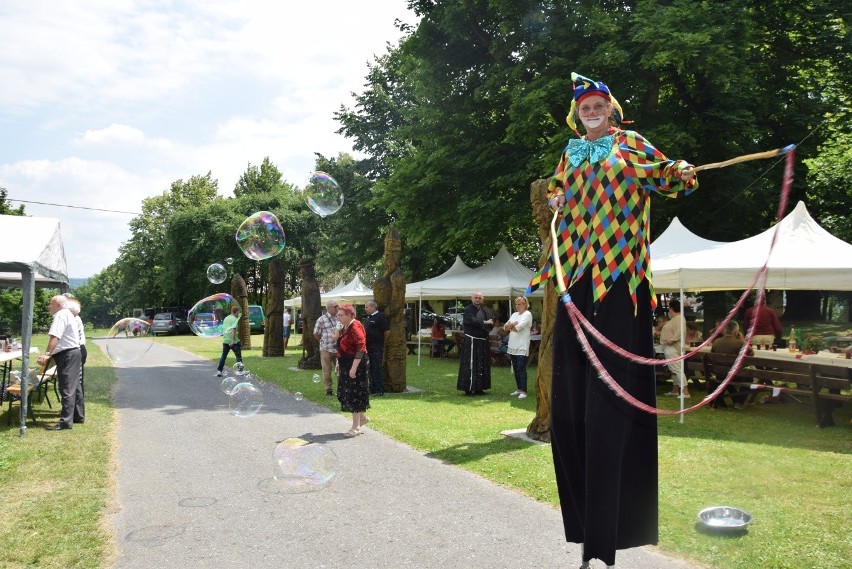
(579,149)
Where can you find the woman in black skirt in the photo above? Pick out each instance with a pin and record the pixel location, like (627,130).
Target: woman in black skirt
(352,388)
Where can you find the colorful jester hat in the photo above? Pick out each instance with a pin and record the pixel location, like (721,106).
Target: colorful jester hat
(583,86)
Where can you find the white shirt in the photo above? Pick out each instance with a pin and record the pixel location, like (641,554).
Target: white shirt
(286,320)
(81,330)
(519,338)
(64,327)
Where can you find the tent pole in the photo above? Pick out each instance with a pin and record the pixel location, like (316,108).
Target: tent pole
(682,340)
(419,316)
(28,285)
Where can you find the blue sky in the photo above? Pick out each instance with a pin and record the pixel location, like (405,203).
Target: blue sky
(106,102)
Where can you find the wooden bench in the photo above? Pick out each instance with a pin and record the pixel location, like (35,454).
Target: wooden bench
(412,345)
(498,357)
(823,383)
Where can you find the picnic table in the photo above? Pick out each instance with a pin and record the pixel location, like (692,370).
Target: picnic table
(825,376)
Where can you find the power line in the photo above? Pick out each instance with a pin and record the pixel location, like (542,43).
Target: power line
(8,199)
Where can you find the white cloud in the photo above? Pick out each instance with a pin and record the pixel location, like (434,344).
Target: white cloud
(122,134)
(105,103)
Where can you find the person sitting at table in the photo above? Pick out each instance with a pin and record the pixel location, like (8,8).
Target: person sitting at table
(731,343)
(767,327)
(439,339)
(693,334)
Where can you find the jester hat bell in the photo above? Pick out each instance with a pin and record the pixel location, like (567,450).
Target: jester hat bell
(583,87)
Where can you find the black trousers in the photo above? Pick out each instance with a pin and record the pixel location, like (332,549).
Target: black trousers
(604,450)
(69,365)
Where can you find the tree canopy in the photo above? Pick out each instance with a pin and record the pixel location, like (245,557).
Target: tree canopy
(469,108)
(458,119)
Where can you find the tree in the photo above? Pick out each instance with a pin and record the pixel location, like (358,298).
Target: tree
(5,208)
(100,298)
(469,108)
(142,262)
(259,180)
(351,239)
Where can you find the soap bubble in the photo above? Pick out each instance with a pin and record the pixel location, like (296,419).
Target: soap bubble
(128,340)
(239,368)
(228,385)
(298,396)
(230,260)
(316,378)
(261,236)
(246,400)
(300,466)
(206,318)
(216,273)
(322,194)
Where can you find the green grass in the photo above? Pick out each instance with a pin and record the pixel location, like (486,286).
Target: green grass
(768,459)
(57,485)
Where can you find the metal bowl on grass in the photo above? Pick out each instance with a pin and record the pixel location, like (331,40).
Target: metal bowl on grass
(724,519)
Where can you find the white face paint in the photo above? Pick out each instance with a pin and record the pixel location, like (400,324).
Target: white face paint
(592,122)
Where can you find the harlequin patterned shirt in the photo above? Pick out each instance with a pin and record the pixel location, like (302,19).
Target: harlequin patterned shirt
(605,223)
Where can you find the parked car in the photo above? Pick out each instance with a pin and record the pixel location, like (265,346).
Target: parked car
(257,319)
(427,318)
(206,324)
(169,323)
(455,315)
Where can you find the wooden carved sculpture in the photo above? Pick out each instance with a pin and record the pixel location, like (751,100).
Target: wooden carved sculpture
(389,293)
(311,311)
(273,332)
(539,428)
(240,293)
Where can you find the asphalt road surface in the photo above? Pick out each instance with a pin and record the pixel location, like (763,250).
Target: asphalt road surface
(195,488)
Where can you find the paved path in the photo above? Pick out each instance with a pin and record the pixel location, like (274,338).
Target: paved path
(193,490)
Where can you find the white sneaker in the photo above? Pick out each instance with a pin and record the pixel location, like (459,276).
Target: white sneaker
(218,374)
(522,396)
(514,393)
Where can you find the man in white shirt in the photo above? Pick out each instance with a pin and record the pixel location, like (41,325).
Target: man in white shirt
(64,347)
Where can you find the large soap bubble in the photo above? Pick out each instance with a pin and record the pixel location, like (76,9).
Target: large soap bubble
(216,273)
(246,400)
(228,384)
(261,236)
(322,194)
(128,340)
(208,314)
(300,466)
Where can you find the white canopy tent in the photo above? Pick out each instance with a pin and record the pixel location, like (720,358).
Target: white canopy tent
(37,259)
(502,277)
(805,257)
(353,292)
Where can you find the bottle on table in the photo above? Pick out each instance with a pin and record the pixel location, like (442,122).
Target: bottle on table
(792,343)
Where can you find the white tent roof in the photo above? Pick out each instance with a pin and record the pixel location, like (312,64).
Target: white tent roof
(33,257)
(805,257)
(502,277)
(35,244)
(355,292)
(458,267)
